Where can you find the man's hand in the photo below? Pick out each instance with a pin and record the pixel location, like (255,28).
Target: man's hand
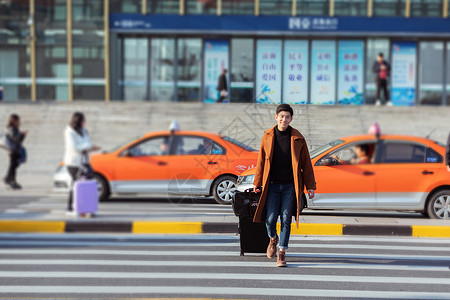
(311,194)
(256,189)
(448,168)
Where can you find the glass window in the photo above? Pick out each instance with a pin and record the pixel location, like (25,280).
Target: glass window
(135,69)
(163,6)
(195,145)
(355,154)
(431,72)
(350,7)
(398,152)
(317,151)
(433,156)
(202,7)
(162,67)
(125,6)
(426,8)
(313,7)
(275,7)
(241,76)
(154,146)
(51,55)
(189,69)
(394,8)
(14,72)
(88,50)
(238,7)
(447,71)
(374,46)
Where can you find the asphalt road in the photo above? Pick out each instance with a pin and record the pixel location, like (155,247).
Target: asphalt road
(209,266)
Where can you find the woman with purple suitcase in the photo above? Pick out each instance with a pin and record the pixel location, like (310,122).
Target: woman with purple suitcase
(76,151)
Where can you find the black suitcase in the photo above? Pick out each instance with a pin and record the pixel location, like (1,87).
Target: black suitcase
(253,236)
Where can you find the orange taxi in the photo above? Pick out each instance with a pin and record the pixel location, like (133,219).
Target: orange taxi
(379,172)
(172,162)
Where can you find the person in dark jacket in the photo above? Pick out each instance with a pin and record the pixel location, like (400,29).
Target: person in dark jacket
(447,154)
(14,138)
(381,70)
(222,86)
(283,170)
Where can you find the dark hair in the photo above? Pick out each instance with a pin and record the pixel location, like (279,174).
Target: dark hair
(13,118)
(77,121)
(364,148)
(285,107)
(380,54)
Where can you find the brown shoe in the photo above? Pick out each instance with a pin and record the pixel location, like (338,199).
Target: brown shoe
(281,259)
(272,248)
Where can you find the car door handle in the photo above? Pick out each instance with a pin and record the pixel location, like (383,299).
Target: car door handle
(427,172)
(368,173)
(162,163)
(212,162)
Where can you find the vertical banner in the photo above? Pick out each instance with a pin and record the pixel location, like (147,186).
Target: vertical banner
(403,73)
(323,72)
(350,72)
(295,71)
(268,71)
(216,59)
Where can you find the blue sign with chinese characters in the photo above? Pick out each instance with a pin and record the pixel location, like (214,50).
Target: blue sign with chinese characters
(301,25)
(350,72)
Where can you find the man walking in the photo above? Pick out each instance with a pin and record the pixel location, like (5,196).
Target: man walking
(283,169)
(381,69)
(222,86)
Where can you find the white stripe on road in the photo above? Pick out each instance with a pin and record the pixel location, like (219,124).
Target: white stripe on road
(394,239)
(195,290)
(194,263)
(223,276)
(218,244)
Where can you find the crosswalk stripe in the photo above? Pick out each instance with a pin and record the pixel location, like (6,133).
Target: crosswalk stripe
(268,264)
(211,290)
(178,244)
(223,276)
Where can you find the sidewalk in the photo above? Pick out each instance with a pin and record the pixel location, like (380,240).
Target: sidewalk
(171,218)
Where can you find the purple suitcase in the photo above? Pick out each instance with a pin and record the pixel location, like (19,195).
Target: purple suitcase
(85,196)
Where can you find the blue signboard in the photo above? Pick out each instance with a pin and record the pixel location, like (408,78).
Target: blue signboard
(323,72)
(403,73)
(295,71)
(268,71)
(350,72)
(295,25)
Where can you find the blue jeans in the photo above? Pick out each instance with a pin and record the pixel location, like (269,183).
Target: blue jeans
(280,202)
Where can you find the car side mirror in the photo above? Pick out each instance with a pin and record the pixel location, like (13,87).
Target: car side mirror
(329,161)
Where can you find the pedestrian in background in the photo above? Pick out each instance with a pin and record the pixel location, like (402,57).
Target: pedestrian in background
(222,86)
(447,154)
(283,170)
(77,146)
(382,71)
(14,139)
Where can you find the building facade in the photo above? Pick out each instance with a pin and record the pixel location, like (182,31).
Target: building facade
(291,51)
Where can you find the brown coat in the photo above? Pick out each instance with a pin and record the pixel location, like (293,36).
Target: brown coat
(301,165)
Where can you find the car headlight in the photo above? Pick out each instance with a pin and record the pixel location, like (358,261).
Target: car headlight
(246,179)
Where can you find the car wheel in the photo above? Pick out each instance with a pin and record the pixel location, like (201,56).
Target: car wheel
(223,189)
(102,187)
(439,205)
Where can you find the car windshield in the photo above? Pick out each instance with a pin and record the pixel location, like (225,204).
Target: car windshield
(114,149)
(316,152)
(237,143)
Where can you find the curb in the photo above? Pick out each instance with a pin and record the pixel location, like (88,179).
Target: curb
(145,227)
